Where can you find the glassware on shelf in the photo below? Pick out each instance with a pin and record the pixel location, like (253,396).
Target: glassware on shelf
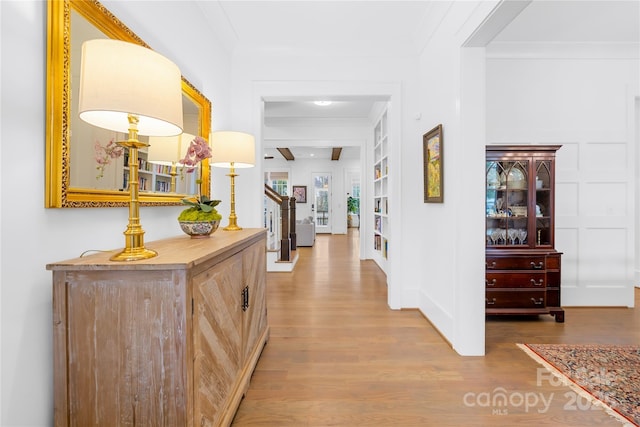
(522,235)
(495,236)
(490,236)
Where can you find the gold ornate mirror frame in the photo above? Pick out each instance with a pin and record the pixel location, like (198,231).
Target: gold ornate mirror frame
(58,192)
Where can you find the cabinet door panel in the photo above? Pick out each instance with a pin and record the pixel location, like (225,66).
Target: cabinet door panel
(217,320)
(255,318)
(126,348)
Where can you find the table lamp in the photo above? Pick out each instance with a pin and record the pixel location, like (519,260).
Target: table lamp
(168,151)
(131,89)
(232,150)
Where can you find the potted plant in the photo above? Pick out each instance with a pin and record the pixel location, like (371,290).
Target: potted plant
(201,218)
(353,207)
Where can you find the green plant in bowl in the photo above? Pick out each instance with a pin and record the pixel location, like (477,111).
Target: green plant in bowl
(201,218)
(200,209)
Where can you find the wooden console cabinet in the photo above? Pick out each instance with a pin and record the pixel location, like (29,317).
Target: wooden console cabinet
(522,265)
(168,341)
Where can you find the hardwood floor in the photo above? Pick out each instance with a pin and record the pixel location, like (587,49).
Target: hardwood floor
(338,356)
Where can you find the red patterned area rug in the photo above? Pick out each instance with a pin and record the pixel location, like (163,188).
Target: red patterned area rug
(608,375)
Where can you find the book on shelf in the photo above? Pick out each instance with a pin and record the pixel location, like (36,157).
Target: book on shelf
(163,186)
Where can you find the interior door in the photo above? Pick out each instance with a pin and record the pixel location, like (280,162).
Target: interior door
(322,201)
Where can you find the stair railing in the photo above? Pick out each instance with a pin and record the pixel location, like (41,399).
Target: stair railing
(284,223)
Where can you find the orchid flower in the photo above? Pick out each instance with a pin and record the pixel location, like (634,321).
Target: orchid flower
(198,150)
(104,155)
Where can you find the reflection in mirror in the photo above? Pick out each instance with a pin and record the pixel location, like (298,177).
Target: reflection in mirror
(85,165)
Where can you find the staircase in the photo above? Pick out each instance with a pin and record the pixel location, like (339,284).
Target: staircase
(280,222)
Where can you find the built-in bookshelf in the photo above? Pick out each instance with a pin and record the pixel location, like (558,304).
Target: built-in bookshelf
(380,190)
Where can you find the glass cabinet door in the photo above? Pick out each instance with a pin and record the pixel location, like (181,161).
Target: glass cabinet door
(507,203)
(543,203)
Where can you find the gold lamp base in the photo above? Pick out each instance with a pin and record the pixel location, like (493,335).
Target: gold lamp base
(134,234)
(233,219)
(134,254)
(233,224)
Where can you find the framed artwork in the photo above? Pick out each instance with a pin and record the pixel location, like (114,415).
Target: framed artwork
(300,193)
(433,162)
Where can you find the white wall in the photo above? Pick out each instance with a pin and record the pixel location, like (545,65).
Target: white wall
(447,257)
(582,97)
(33,236)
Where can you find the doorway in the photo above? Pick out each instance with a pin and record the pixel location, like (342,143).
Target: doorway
(322,201)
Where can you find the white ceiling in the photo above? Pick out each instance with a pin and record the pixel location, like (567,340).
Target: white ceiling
(322,27)
(393,28)
(576,21)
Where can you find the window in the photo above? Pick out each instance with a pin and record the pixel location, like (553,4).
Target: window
(279,181)
(355,193)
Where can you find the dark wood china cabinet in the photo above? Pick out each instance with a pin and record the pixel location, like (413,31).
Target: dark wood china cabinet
(522,265)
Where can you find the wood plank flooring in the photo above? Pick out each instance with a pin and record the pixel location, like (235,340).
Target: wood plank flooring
(338,356)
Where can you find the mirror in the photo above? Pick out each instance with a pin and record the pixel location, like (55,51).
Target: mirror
(80,172)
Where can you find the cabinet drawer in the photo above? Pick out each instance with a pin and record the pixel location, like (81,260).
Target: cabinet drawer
(515,299)
(515,280)
(515,263)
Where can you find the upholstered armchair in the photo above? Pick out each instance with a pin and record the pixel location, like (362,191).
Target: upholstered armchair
(305,232)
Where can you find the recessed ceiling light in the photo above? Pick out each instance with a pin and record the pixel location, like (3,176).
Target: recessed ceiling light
(322,103)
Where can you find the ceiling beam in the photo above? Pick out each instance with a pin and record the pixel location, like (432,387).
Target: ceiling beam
(335,153)
(286,153)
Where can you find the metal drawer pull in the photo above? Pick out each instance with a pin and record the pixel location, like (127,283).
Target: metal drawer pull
(492,265)
(538,266)
(492,302)
(538,283)
(492,283)
(539,302)
(245,298)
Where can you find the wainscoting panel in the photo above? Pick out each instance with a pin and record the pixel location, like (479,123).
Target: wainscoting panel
(596,166)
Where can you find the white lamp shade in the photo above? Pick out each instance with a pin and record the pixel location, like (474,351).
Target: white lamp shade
(232,147)
(167,150)
(119,78)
